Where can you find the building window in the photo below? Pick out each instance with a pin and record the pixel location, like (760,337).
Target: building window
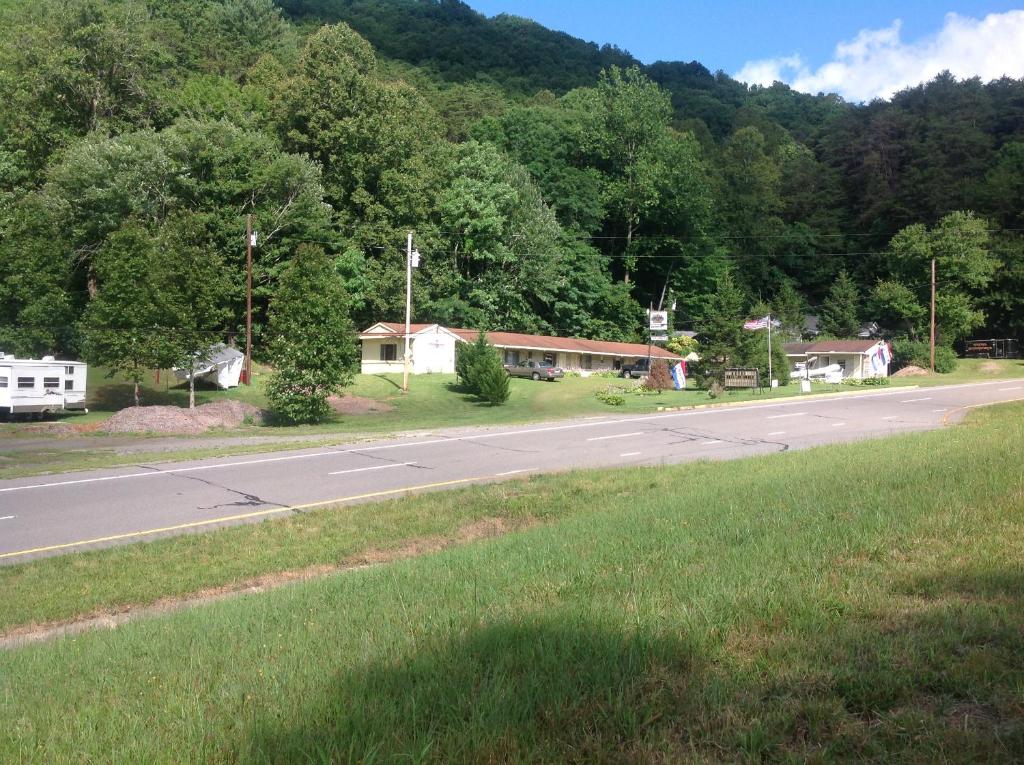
(69,385)
(842,366)
(549,358)
(51,382)
(512,357)
(587,361)
(69,370)
(26,383)
(3,382)
(388,352)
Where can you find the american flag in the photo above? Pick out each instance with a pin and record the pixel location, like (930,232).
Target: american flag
(757,323)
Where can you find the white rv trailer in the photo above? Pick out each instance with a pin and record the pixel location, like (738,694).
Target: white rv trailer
(40,386)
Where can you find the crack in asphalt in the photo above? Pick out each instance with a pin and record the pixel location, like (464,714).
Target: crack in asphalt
(247,499)
(689,436)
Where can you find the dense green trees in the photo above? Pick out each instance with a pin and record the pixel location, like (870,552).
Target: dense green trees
(552,186)
(311,341)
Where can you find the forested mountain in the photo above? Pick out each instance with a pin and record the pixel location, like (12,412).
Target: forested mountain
(553,186)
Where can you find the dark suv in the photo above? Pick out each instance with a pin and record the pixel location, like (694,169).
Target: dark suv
(640,368)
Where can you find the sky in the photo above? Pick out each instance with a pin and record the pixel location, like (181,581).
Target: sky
(861,49)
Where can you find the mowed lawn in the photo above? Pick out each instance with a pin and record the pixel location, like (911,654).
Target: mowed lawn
(862,601)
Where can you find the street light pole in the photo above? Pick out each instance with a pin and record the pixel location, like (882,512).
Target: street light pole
(408,310)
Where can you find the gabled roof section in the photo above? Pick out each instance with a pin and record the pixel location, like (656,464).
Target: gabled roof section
(394,330)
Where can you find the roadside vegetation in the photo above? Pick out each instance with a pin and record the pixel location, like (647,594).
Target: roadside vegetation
(738,611)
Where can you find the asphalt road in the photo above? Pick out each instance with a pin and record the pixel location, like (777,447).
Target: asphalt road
(77,511)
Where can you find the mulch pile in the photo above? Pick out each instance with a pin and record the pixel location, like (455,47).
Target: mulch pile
(174,419)
(910,371)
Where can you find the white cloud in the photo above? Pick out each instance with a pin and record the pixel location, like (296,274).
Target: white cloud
(877,63)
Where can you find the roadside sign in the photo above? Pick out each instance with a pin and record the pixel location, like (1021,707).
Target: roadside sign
(659,321)
(658,338)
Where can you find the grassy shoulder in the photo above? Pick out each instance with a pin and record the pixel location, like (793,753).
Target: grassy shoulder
(829,604)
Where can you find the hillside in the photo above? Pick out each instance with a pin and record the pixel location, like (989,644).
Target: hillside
(342,124)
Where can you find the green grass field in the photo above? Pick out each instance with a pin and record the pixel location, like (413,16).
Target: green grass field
(825,605)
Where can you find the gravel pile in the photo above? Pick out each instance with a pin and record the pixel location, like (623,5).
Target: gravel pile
(173,419)
(910,371)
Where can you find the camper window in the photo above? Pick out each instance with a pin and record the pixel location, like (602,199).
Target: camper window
(69,370)
(69,385)
(51,382)
(26,383)
(3,382)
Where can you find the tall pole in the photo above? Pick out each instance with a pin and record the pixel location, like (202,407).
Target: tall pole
(769,351)
(933,317)
(248,299)
(408,310)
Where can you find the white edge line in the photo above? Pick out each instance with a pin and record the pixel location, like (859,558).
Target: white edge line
(892,417)
(912,400)
(838,424)
(709,443)
(1017,387)
(617,435)
(777,433)
(780,416)
(630,454)
(513,472)
(8,517)
(372,467)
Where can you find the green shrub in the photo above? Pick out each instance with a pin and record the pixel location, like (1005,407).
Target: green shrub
(918,353)
(867,382)
(491,380)
(612,395)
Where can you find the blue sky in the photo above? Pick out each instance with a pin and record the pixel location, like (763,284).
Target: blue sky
(798,37)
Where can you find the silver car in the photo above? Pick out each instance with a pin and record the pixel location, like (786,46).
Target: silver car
(535,370)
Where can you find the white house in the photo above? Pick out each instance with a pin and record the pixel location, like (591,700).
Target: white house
(40,386)
(856,359)
(432,348)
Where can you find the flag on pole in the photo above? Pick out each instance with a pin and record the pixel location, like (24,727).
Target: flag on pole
(758,323)
(679,375)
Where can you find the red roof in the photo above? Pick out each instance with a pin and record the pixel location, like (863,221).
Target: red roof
(546,342)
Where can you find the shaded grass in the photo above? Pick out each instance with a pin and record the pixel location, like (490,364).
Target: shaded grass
(822,605)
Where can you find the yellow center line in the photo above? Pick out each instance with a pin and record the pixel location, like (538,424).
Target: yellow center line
(239,517)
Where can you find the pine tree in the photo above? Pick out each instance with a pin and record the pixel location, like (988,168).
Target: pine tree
(840,312)
(492,381)
(722,335)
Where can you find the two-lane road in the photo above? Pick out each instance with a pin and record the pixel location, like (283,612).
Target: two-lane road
(74,511)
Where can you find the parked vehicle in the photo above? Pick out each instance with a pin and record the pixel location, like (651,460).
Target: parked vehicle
(639,368)
(39,387)
(535,370)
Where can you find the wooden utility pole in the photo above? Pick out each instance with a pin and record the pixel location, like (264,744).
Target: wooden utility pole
(933,317)
(248,299)
(408,311)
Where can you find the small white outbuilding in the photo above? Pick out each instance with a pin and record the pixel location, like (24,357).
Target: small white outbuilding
(843,359)
(221,366)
